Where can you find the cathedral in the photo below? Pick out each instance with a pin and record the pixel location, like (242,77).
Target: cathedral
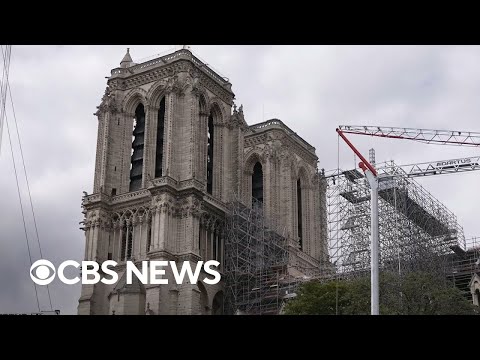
(173,149)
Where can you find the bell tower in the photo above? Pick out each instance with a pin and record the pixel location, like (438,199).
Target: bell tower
(168,158)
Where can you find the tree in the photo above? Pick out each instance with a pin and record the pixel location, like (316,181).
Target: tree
(424,294)
(416,293)
(318,298)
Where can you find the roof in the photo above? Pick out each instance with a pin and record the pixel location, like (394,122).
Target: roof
(475,278)
(127,59)
(278,124)
(129,68)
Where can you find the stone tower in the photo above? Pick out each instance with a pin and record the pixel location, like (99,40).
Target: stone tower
(293,191)
(166,156)
(172,151)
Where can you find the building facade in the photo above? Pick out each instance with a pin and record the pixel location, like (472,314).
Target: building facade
(172,151)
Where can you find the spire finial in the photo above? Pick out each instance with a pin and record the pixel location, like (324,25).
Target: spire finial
(127,59)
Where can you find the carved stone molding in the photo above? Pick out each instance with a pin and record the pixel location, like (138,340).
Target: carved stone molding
(129,98)
(108,103)
(284,142)
(173,69)
(212,222)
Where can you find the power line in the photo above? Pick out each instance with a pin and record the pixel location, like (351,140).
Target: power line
(3,90)
(21,207)
(6,61)
(6,85)
(28,185)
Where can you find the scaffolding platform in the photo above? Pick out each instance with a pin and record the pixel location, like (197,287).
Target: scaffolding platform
(413,211)
(416,231)
(256,263)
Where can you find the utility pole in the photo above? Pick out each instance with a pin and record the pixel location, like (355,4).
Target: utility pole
(372,178)
(374,251)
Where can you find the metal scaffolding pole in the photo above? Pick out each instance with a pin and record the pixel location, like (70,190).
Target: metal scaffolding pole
(256,263)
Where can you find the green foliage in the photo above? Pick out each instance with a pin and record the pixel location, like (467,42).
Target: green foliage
(417,293)
(318,298)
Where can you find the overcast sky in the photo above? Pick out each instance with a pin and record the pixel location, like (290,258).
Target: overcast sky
(310,88)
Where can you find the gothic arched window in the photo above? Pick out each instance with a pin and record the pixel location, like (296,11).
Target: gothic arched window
(160,136)
(149,235)
(299,213)
(127,242)
(257,182)
(210,155)
(136,167)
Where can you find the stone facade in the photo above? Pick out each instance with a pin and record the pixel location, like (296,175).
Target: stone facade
(475,289)
(178,211)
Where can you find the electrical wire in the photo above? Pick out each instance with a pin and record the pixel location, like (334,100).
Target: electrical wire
(21,208)
(3,91)
(6,86)
(28,185)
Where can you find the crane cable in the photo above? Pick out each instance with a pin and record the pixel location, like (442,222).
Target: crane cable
(27,183)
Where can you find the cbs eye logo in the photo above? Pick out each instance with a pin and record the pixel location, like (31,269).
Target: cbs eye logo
(42,272)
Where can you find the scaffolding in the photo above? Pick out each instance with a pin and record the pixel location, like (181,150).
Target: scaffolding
(256,263)
(463,264)
(416,231)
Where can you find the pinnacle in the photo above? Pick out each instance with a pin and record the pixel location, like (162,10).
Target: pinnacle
(126,59)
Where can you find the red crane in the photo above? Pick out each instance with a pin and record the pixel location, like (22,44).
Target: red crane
(439,137)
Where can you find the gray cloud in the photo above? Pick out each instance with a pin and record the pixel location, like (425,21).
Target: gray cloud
(311,88)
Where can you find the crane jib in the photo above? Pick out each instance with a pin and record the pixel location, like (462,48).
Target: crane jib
(457,162)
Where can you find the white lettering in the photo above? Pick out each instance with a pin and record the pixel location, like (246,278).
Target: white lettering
(215,273)
(186,268)
(142,276)
(62,277)
(154,272)
(110,272)
(86,271)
